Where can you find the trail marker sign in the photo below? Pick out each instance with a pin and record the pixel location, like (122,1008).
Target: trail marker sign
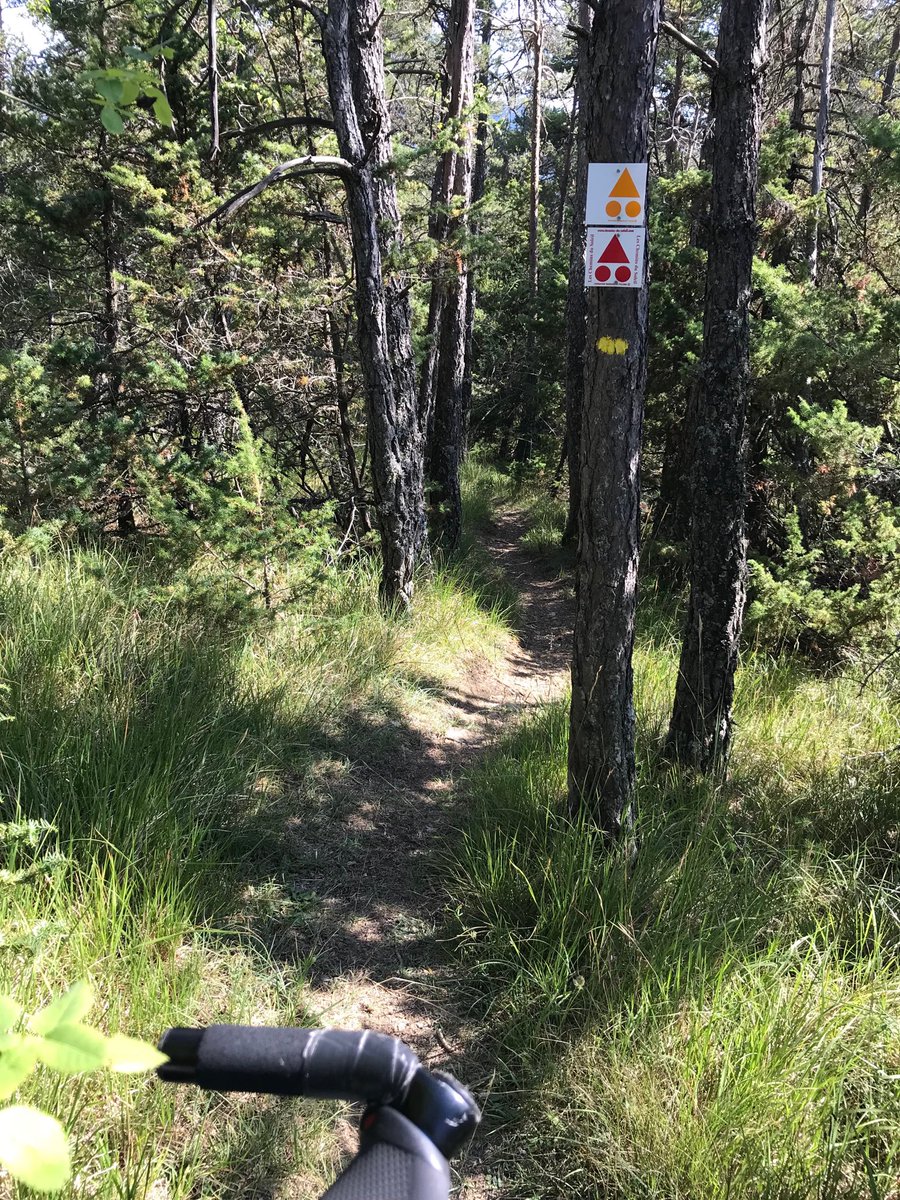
(614,257)
(616,194)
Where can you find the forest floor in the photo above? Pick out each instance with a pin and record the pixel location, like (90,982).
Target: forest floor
(382,960)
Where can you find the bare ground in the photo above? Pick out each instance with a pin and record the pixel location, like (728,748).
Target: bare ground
(382,961)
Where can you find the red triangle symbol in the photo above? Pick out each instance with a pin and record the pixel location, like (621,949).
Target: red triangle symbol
(614,252)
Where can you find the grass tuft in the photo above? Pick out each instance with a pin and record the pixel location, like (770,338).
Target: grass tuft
(722,1018)
(154,750)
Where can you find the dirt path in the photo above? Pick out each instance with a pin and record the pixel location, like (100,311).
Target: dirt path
(382,963)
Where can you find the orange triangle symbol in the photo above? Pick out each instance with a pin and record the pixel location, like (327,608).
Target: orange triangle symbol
(624,185)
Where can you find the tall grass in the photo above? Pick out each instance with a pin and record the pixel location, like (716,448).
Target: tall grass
(722,1017)
(154,744)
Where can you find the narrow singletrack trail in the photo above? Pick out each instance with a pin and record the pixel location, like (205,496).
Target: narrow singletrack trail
(382,960)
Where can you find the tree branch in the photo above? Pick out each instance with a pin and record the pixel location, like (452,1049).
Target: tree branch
(309,164)
(689,44)
(278,123)
(318,14)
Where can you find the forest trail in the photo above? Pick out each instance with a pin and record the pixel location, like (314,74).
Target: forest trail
(382,961)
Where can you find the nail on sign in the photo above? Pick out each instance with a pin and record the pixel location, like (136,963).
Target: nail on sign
(614,258)
(616,194)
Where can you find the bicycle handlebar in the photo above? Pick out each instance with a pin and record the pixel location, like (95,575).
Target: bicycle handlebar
(328,1064)
(415,1119)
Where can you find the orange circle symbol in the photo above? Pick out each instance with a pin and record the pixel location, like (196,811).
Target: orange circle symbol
(613,208)
(632,208)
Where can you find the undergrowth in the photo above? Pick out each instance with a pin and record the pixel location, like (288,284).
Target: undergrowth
(722,1018)
(157,736)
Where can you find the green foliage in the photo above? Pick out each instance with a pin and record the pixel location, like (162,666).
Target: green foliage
(825,507)
(120,88)
(33,1145)
(719,1017)
(162,752)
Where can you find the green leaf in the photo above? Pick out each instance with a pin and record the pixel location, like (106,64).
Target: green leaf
(111,119)
(34,1149)
(127,1054)
(131,89)
(17,1061)
(162,111)
(9,1012)
(70,1049)
(67,1009)
(109,89)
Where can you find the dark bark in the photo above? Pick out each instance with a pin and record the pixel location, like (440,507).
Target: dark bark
(479,179)
(566,175)
(354,60)
(575,294)
(359,508)
(437,229)
(672,512)
(799,46)
(701,725)
(673,106)
(448,429)
(623,47)
(821,145)
(528,424)
(887,93)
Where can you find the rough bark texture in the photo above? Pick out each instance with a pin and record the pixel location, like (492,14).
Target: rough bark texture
(527,426)
(448,427)
(821,146)
(701,725)
(803,27)
(673,106)
(479,178)
(601,736)
(354,61)
(575,298)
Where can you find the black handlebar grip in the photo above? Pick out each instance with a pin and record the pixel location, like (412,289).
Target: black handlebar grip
(329,1064)
(396,1161)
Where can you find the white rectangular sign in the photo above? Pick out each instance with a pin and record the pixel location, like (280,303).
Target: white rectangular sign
(614,257)
(616,194)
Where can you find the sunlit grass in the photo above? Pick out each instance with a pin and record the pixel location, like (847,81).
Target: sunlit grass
(166,735)
(722,1017)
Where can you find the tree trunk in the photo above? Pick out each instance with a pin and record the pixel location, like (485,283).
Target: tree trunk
(566,174)
(701,725)
(887,93)
(575,297)
(452,277)
(213,39)
(527,428)
(799,46)
(623,48)
(479,178)
(673,107)
(812,256)
(354,61)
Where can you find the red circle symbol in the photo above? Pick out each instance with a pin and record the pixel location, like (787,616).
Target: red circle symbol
(623,274)
(603,273)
